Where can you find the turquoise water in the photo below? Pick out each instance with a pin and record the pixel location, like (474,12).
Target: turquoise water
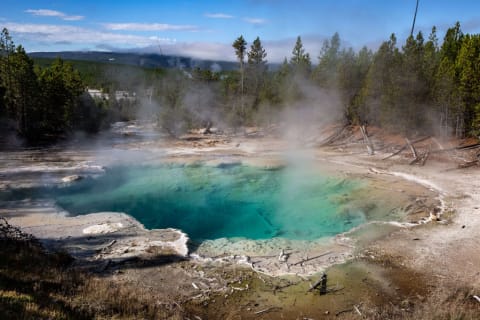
(214,202)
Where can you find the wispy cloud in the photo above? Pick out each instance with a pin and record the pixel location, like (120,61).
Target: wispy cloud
(255,20)
(49,33)
(219,16)
(53,13)
(148,27)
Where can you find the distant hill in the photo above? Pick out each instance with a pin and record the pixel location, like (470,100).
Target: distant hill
(139,59)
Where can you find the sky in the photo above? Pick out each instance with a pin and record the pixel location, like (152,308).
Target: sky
(206,29)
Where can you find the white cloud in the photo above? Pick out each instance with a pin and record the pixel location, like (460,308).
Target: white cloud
(149,27)
(255,20)
(47,34)
(201,50)
(219,16)
(53,13)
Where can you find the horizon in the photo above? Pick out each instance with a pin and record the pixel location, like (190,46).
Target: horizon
(206,30)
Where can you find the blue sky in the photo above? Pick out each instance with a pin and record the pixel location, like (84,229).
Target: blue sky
(206,29)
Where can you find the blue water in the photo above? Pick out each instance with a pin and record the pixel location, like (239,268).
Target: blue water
(214,202)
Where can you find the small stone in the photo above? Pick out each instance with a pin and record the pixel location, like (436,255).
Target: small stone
(327,312)
(71,178)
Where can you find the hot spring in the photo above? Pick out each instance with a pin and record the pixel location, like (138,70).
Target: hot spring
(224,201)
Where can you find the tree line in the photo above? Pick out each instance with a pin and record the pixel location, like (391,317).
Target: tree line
(42,104)
(421,86)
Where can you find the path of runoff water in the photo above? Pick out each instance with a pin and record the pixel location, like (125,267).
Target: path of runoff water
(215,202)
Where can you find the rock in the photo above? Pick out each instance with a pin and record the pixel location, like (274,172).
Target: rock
(103,228)
(74,177)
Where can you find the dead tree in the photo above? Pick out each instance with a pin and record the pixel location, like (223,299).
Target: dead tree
(370,149)
(321,284)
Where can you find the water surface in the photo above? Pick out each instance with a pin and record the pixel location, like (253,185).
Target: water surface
(224,201)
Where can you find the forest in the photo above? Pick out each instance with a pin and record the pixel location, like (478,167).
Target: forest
(423,86)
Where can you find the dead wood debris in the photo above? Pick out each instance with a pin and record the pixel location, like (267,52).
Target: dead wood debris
(406,145)
(368,143)
(269,309)
(312,258)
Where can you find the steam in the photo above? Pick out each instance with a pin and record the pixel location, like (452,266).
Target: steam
(311,111)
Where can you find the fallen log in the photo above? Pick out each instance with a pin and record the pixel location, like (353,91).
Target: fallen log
(467,147)
(357,310)
(332,137)
(396,152)
(405,146)
(412,148)
(312,258)
(266,310)
(468,164)
(343,311)
(424,158)
(421,159)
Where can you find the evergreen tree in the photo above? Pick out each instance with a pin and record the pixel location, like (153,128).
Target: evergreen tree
(379,95)
(61,87)
(240,46)
(468,67)
(300,60)
(256,69)
(22,95)
(326,71)
(446,92)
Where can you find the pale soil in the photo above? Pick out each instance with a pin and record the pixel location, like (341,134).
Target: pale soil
(444,251)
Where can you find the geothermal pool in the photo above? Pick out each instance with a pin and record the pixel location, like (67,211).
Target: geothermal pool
(225,201)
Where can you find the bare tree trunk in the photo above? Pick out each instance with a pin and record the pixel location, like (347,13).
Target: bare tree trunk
(414,19)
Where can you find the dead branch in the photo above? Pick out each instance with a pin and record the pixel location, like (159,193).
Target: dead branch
(421,159)
(467,147)
(357,310)
(343,311)
(111,243)
(437,143)
(405,146)
(312,258)
(333,137)
(266,310)
(468,164)
(396,152)
(424,158)
(412,148)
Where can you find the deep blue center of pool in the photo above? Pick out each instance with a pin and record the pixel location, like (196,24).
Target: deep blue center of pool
(215,202)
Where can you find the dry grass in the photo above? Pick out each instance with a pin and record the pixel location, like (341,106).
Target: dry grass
(441,305)
(35,284)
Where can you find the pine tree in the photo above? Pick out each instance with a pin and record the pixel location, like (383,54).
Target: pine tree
(468,67)
(328,60)
(446,92)
(240,46)
(300,60)
(256,69)
(61,87)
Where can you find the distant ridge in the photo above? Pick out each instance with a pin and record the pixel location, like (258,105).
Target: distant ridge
(146,60)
